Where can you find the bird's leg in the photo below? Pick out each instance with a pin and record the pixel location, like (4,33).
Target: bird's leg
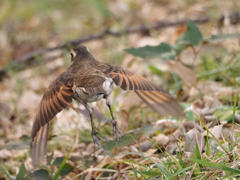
(116,129)
(95,136)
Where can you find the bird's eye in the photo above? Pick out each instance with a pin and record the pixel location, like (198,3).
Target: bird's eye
(72,56)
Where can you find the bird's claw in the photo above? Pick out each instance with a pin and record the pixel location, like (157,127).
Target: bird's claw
(96,138)
(116,130)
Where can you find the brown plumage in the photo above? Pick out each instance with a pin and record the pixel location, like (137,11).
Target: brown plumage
(87,80)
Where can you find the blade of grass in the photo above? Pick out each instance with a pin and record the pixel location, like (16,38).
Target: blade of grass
(206,177)
(5,172)
(141,154)
(181,171)
(178,164)
(208,145)
(227,177)
(215,166)
(227,173)
(182,142)
(142,176)
(93,169)
(234,107)
(135,171)
(218,70)
(175,160)
(211,133)
(157,146)
(136,143)
(198,155)
(164,171)
(197,152)
(151,173)
(62,165)
(234,111)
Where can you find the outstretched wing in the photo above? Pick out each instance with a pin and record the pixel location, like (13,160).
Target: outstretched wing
(57,97)
(158,99)
(162,103)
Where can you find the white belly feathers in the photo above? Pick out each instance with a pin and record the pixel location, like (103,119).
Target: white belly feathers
(81,94)
(108,86)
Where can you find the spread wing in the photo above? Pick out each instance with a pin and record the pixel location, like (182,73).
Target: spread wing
(162,103)
(57,97)
(155,97)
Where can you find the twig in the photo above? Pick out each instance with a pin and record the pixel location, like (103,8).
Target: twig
(29,58)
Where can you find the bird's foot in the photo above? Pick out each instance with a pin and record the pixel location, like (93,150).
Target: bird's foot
(96,138)
(116,130)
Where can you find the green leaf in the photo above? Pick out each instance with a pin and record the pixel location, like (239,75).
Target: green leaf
(123,141)
(197,153)
(126,140)
(215,166)
(188,113)
(40,174)
(178,48)
(49,158)
(22,172)
(66,169)
(62,165)
(189,116)
(58,161)
(168,55)
(150,51)
(15,145)
(222,37)
(25,138)
(192,36)
(224,113)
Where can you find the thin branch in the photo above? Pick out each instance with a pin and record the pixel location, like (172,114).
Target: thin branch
(29,59)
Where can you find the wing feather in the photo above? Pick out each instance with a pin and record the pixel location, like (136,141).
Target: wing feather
(158,99)
(57,97)
(161,103)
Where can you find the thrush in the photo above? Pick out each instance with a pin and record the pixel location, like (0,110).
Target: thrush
(88,80)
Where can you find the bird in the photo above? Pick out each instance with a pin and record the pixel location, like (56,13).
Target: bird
(88,80)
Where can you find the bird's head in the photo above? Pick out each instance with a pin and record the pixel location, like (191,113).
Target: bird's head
(79,52)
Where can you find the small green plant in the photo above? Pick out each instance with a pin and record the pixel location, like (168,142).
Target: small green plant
(48,172)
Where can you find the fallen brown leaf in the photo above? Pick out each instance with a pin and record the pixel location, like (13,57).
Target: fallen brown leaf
(186,74)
